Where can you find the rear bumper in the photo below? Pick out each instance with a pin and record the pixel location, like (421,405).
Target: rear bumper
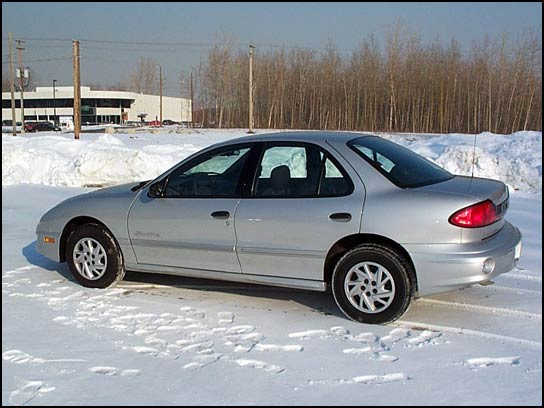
(441,268)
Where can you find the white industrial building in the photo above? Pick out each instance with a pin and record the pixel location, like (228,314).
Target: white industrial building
(97,107)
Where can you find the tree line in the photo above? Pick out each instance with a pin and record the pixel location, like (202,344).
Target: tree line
(403,86)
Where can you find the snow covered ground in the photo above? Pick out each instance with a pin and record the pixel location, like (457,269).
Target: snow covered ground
(168,340)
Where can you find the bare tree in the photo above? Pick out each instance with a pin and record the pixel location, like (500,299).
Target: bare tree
(404,86)
(145,77)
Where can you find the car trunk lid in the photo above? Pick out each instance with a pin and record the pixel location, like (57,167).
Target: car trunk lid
(480,189)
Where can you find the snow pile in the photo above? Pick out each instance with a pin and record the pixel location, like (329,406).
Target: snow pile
(514,159)
(104,159)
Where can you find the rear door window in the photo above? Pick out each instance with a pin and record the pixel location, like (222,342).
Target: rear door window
(298,171)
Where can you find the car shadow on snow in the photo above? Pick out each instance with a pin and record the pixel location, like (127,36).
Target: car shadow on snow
(168,285)
(35,258)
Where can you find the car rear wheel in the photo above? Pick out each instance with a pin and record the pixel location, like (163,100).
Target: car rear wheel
(371,284)
(94,257)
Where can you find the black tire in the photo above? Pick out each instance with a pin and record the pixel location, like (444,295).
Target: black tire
(115,268)
(399,269)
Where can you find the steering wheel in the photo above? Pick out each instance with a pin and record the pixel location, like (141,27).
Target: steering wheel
(199,176)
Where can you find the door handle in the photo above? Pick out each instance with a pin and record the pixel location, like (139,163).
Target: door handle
(340,217)
(222,215)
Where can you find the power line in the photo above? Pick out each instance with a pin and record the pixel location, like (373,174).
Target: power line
(117,50)
(186,44)
(148,43)
(42,60)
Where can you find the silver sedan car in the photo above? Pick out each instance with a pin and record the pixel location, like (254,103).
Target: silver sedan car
(370,219)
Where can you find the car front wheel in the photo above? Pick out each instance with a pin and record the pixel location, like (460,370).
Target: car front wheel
(93,257)
(371,284)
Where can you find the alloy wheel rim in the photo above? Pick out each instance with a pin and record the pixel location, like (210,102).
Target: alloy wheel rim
(369,287)
(90,258)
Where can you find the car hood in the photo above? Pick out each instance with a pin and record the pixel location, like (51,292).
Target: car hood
(108,205)
(116,191)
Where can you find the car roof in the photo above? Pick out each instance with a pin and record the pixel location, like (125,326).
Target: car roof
(297,136)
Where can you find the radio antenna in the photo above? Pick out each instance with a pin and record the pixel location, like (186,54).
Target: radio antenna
(473,156)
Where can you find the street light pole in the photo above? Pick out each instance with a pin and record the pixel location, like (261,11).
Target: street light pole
(54,104)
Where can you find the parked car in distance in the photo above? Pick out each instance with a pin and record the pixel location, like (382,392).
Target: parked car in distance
(168,122)
(40,127)
(9,122)
(7,126)
(370,219)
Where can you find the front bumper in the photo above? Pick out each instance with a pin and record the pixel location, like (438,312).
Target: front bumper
(50,250)
(441,268)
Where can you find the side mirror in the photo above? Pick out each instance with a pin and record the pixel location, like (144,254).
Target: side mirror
(156,189)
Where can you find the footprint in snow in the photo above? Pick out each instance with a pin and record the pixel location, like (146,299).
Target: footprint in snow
(20,357)
(384,357)
(225,317)
(142,350)
(27,390)
(365,338)
(271,368)
(203,361)
(425,338)
(308,334)
(396,335)
(357,351)
(336,331)
(482,362)
(275,347)
(363,379)
(22,281)
(372,353)
(106,370)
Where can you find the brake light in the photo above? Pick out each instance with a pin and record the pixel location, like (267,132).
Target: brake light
(475,216)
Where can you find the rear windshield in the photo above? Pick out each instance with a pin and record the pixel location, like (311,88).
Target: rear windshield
(400,165)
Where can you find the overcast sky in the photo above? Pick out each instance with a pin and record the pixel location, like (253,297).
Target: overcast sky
(194,26)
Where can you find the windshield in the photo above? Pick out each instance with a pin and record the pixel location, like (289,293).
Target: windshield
(400,165)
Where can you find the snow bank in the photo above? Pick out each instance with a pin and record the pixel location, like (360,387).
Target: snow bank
(515,159)
(105,159)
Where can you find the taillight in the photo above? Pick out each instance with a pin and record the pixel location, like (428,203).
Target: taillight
(476,216)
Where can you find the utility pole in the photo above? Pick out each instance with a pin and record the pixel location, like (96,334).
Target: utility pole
(160,93)
(12,86)
(54,104)
(181,101)
(251,47)
(192,109)
(20,50)
(77,89)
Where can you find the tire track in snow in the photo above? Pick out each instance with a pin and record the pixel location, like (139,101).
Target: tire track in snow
(469,332)
(521,276)
(500,311)
(509,289)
